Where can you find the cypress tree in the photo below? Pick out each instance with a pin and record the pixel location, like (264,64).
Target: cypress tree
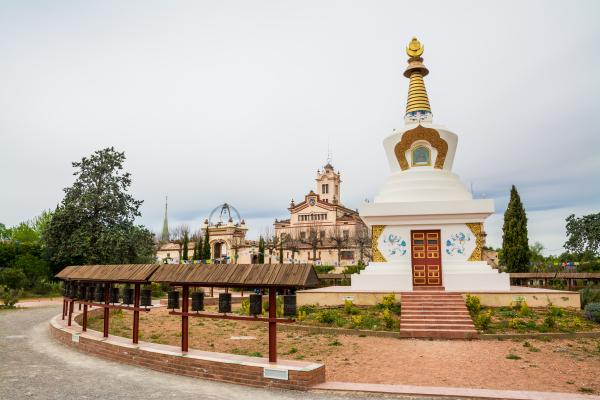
(186,242)
(195,255)
(206,246)
(515,245)
(200,247)
(280,252)
(261,250)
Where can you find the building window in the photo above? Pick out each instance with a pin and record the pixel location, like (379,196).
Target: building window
(421,156)
(322,235)
(347,255)
(302,235)
(346,234)
(325,188)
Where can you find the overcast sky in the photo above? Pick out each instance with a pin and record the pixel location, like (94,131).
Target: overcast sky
(236,101)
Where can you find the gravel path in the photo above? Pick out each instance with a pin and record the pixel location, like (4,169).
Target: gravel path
(33,366)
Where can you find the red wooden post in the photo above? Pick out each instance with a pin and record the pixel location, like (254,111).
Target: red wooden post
(272,325)
(106,310)
(185,294)
(64,308)
(136,314)
(71,305)
(79,306)
(84,322)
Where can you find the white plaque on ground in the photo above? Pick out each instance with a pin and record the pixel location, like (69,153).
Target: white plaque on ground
(273,373)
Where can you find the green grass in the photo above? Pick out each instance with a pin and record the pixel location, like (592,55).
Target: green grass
(512,356)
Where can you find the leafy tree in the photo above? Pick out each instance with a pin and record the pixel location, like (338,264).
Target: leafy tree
(186,242)
(13,278)
(261,250)
(94,223)
(583,236)
(24,233)
(515,247)
(35,269)
(5,233)
(7,254)
(538,261)
(206,246)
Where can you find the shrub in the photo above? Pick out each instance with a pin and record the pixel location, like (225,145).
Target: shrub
(327,316)
(301,315)
(524,310)
(388,319)
(349,308)
(9,297)
(577,323)
(556,312)
(483,320)
(12,278)
(516,303)
(388,301)
(473,304)
(589,294)
(245,307)
(323,269)
(357,321)
(550,320)
(592,312)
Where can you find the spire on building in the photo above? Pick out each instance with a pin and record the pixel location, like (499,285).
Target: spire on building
(164,236)
(417,104)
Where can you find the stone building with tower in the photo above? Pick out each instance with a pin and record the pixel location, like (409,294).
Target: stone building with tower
(320,229)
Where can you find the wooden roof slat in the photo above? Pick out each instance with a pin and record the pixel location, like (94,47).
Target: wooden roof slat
(109,273)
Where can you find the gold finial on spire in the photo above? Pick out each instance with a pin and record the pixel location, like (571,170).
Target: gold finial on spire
(417,103)
(414,48)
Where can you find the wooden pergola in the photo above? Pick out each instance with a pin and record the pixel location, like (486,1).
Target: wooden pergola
(258,276)
(273,277)
(107,275)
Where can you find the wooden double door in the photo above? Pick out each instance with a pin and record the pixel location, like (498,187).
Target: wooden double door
(426,258)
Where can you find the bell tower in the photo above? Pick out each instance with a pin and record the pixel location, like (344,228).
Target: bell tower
(328,184)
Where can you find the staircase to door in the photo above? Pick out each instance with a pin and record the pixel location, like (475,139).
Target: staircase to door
(435,314)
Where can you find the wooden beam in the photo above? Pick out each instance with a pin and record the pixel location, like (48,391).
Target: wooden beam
(272,325)
(136,313)
(184,317)
(234,317)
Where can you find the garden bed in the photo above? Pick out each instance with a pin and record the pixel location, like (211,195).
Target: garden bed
(566,365)
(520,318)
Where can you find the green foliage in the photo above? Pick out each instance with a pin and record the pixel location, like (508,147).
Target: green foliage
(278,306)
(512,356)
(592,312)
(94,224)
(261,250)
(388,301)
(387,318)
(327,316)
(335,343)
(206,246)
(186,242)
(515,247)
(483,320)
(589,294)
(9,297)
(245,307)
(35,269)
(473,304)
(354,269)
(349,308)
(583,234)
(13,278)
(323,269)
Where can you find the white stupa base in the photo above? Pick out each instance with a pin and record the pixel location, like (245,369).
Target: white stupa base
(458,276)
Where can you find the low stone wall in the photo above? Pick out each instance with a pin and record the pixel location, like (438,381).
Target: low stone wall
(335,296)
(251,371)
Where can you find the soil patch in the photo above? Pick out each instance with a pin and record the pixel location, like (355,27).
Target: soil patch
(558,365)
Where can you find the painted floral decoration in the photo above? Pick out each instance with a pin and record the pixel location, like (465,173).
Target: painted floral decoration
(456,243)
(396,245)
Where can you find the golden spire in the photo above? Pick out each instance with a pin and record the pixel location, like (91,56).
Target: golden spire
(417,104)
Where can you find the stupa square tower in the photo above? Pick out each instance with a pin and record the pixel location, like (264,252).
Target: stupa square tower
(427,229)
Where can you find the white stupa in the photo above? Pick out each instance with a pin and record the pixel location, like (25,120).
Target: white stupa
(427,228)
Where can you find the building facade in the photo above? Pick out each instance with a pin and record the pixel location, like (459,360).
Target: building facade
(320,229)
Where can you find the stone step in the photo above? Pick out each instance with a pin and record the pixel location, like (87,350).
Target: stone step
(438,307)
(436,327)
(433,303)
(436,321)
(438,318)
(436,311)
(439,334)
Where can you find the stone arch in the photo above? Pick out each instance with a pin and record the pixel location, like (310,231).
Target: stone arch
(421,133)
